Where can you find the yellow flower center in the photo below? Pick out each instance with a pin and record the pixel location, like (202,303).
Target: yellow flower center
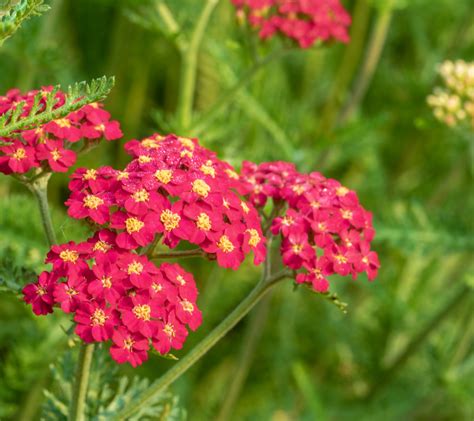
(141,196)
(181,280)
(287,221)
(71,291)
(315,204)
(102,246)
(187,306)
(365,260)
(56,154)
(150,143)
(254,239)
(144,159)
(225,244)
(106,281)
(63,122)
(133,225)
(186,142)
(122,175)
(128,343)
(297,248)
(135,268)
(244,207)
(69,256)
(346,214)
(201,187)
(164,176)
(317,272)
(169,330)
(142,312)
(203,222)
(41,290)
(208,169)
(90,175)
(169,219)
(187,153)
(156,287)
(92,202)
(98,318)
(19,154)
(342,191)
(232,174)
(340,258)
(299,189)
(100,127)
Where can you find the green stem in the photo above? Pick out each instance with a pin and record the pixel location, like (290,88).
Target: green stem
(372,57)
(168,18)
(229,96)
(40,190)
(178,254)
(190,61)
(205,345)
(347,67)
(79,393)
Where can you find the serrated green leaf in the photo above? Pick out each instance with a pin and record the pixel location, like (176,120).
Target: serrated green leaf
(79,95)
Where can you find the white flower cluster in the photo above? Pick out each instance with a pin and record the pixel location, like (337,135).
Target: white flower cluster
(454,103)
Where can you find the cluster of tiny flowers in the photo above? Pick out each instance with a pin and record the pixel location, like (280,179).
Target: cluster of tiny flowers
(49,146)
(304,21)
(117,295)
(324,229)
(173,190)
(454,103)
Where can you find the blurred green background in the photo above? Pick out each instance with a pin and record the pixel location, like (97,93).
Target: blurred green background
(357,113)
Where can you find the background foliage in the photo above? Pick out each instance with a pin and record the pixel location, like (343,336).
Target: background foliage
(404,350)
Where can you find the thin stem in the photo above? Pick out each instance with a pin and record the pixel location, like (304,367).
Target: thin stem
(190,61)
(81,382)
(229,96)
(39,187)
(205,345)
(167,16)
(347,67)
(178,254)
(372,57)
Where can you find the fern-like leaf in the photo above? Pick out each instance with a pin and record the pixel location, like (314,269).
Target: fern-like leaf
(411,227)
(106,396)
(78,95)
(12,18)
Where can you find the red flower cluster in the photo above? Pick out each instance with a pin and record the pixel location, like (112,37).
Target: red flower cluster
(174,188)
(118,295)
(324,230)
(305,21)
(49,146)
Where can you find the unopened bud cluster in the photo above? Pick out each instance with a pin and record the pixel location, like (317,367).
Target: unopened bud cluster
(453,104)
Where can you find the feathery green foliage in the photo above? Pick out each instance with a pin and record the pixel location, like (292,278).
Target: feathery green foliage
(78,95)
(107,394)
(13,14)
